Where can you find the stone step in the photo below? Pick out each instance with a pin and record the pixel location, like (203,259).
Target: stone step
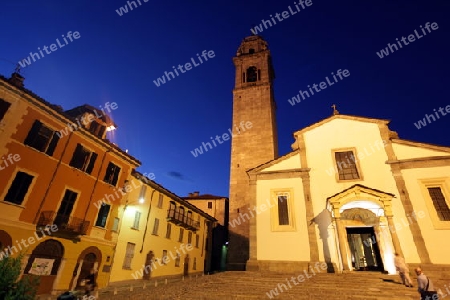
(255,285)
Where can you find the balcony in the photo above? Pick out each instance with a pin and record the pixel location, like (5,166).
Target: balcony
(67,226)
(183,220)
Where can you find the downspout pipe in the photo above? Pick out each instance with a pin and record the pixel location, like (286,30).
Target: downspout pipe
(95,184)
(146,223)
(53,179)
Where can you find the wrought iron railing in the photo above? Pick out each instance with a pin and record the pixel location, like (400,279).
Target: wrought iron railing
(65,224)
(177,217)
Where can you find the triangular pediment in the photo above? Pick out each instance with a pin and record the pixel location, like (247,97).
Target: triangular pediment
(360,192)
(341,117)
(405,149)
(289,161)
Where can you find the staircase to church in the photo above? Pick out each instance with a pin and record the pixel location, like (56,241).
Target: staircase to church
(260,285)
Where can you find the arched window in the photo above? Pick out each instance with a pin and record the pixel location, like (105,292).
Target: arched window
(252,74)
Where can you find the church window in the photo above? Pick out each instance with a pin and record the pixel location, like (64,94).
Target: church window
(251,51)
(441,206)
(252,74)
(283,210)
(282,214)
(346,165)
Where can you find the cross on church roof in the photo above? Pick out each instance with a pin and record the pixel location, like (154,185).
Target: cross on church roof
(335,111)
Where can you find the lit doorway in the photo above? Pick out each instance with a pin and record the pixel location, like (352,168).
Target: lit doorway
(364,249)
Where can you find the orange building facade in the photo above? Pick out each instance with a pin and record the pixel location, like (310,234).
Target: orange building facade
(51,175)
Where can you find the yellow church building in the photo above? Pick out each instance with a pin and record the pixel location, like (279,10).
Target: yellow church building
(351,193)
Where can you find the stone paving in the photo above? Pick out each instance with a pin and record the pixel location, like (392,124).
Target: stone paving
(255,285)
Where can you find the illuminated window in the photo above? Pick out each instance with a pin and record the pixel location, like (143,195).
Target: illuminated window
(160,200)
(346,165)
(137,217)
(155,227)
(129,254)
(180,237)
(168,230)
(440,204)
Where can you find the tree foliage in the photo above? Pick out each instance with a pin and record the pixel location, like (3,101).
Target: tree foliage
(12,287)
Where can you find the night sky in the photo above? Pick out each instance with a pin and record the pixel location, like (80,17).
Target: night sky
(117,58)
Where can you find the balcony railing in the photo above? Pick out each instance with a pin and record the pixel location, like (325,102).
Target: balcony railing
(65,224)
(177,217)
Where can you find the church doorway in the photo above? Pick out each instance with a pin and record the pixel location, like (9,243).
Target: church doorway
(364,250)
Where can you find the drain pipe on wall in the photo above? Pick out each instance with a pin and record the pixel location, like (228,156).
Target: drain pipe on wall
(148,217)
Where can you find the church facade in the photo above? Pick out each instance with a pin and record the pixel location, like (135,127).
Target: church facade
(351,193)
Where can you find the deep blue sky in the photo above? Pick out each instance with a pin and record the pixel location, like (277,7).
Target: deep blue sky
(118,57)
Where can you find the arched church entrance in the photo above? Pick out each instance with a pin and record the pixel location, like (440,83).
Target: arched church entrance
(361,225)
(362,218)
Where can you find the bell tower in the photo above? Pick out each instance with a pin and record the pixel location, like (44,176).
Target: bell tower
(254,139)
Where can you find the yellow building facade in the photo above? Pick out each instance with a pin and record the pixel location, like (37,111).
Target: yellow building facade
(60,165)
(217,207)
(161,235)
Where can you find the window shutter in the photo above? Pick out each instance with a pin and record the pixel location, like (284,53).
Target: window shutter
(51,147)
(78,157)
(91,163)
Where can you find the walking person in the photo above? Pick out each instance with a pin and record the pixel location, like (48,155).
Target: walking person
(403,270)
(425,286)
(90,282)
